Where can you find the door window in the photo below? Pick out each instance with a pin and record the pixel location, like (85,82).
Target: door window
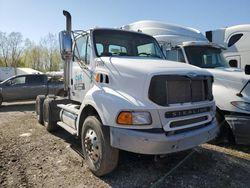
(35,79)
(233,39)
(18,81)
(88,51)
(175,54)
(80,50)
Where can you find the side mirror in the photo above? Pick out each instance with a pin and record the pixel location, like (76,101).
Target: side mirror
(65,41)
(247,69)
(233,63)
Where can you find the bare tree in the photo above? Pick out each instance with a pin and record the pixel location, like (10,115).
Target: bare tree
(51,52)
(15,42)
(14,51)
(4,48)
(11,47)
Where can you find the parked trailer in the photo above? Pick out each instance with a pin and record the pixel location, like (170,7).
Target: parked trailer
(123,95)
(7,72)
(231,87)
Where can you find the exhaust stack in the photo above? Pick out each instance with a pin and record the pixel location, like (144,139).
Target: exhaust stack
(67,61)
(68,20)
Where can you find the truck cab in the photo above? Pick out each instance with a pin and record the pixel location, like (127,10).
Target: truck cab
(124,95)
(231,87)
(236,40)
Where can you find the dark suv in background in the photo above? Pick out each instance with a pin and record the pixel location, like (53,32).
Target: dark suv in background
(27,87)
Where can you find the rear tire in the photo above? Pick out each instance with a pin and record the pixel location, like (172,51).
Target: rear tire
(100,157)
(48,122)
(61,93)
(1,100)
(39,108)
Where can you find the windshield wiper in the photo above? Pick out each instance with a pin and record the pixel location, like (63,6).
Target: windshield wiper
(149,55)
(154,55)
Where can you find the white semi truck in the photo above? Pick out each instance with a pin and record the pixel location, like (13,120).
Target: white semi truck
(231,87)
(123,95)
(236,40)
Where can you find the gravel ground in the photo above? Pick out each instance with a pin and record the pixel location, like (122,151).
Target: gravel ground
(32,157)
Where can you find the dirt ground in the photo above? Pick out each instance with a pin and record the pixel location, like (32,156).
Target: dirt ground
(32,157)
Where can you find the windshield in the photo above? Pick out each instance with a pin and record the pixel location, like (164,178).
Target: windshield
(123,43)
(205,57)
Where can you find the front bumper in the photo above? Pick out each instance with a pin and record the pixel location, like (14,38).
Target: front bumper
(158,143)
(240,125)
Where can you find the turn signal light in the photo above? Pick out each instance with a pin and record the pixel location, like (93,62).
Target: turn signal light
(134,118)
(125,118)
(97,77)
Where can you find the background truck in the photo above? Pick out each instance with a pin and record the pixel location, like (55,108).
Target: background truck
(28,86)
(231,87)
(236,40)
(123,94)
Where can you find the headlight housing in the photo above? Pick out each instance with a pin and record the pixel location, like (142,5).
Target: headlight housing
(134,118)
(241,105)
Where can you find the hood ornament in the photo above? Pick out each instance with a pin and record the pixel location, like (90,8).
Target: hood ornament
(191,74)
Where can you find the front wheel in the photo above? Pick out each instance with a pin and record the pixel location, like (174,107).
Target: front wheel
(100,157)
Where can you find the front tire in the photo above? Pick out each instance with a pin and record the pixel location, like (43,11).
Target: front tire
(100,157)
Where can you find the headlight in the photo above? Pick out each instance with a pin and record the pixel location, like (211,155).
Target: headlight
(134,118)
(241,105)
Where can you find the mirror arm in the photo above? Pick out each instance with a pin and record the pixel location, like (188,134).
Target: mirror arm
(240,93)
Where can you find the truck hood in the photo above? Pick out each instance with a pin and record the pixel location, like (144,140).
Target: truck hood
(131,76)
(227,83)
(231,78)
(149,66)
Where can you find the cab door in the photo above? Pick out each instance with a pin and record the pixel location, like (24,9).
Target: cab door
(81,72)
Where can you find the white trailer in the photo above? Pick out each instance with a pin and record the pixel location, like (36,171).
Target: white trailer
(7,72)
(236,40)
(230,89)
(123,95)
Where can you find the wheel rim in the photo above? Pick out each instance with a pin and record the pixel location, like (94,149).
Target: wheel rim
(92,145)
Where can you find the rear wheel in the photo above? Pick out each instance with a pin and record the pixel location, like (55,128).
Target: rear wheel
(100,157)
(39,108)
(61,93)
(48,121)
(1,100)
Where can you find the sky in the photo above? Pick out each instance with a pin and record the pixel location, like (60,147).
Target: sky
(35,19)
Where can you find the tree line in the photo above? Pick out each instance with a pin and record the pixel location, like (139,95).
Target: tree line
(15,51)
